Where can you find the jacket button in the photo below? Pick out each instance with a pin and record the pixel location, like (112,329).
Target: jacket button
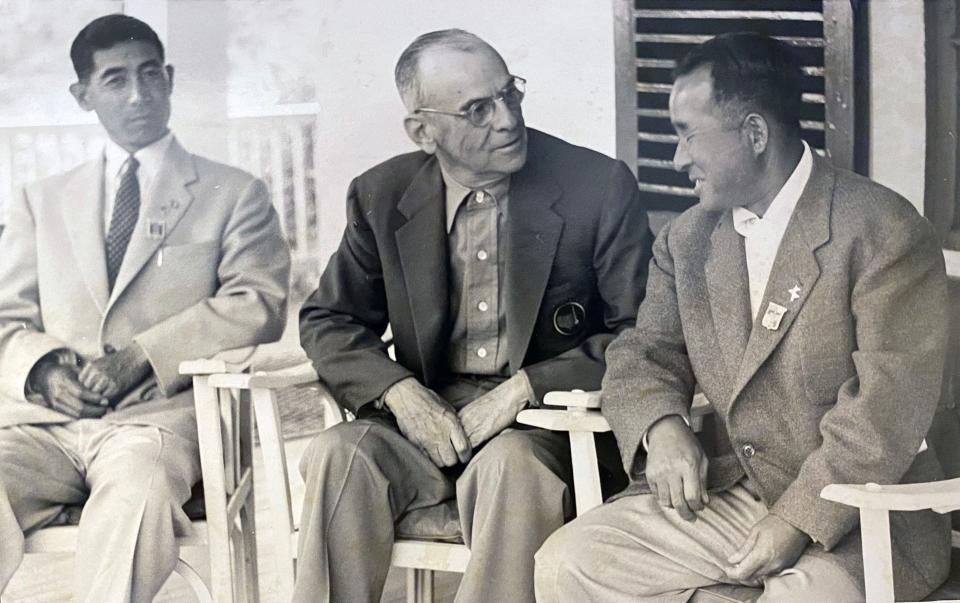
(748,450)
(109,349)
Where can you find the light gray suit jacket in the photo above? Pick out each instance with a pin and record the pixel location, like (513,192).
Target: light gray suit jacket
(842,392)
(215,278)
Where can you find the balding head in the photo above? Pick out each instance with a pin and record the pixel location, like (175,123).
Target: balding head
(407,73)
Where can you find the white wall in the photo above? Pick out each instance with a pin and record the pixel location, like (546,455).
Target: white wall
(897,97)
(563,47)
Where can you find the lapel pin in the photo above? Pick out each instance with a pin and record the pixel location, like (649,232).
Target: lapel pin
(156,229)
(773,316)
(794,293)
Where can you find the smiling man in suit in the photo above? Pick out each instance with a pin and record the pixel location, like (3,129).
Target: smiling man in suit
(808,303)
(504,261)
(111,275)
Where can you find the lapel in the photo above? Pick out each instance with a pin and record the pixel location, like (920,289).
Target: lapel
(422,246)
(84,222)
(726,275)
(166,202)
(530,244)
(795,266)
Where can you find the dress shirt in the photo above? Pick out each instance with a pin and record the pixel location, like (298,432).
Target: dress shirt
(115,160)
(478,337)
(762,235)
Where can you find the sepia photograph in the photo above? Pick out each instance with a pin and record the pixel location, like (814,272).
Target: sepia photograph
(510,301)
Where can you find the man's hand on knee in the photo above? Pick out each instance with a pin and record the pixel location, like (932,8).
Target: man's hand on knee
(676,467)
(494,411)
(60,388)
(429,422)
(771,546)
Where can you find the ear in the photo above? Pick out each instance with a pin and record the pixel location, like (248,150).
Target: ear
(758,132)
(420,133)
(169,69)
(79,92)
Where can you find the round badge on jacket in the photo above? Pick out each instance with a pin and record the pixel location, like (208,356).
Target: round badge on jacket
(569,317)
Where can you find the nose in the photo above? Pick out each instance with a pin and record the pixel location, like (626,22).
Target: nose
(681,157)
(139,91)
(506,118)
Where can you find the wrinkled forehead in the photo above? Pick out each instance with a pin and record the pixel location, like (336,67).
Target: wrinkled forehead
(450,78)
(691,100)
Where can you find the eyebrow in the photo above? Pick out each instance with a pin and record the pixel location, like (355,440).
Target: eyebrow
(466,104)
(122,70)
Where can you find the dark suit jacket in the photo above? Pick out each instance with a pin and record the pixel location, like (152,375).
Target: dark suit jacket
(575,231)
(842,392)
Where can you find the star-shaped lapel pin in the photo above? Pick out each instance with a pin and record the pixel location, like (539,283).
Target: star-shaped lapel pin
(794,292)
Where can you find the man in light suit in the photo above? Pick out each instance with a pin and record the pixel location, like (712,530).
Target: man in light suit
(504,260)
(808,303)
(111,275)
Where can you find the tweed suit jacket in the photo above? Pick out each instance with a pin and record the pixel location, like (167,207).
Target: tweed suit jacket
(575,231)
(843,390)
(214,276)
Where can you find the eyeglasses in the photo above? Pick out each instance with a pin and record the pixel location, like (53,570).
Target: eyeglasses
(480,112)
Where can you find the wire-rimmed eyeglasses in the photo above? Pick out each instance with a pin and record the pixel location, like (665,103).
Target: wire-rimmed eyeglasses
(481,111)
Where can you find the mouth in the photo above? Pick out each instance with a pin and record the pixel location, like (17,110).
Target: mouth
(697,185)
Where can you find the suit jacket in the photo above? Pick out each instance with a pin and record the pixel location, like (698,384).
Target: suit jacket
(575,232)
(213,277)
(843,391)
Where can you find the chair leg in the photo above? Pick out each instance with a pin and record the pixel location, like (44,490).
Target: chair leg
(877,558)
(419,586)
(193,579)
(249,535)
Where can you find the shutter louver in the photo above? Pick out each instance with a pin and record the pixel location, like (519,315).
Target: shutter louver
(665,30)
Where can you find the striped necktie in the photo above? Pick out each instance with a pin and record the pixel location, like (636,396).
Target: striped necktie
(126,209)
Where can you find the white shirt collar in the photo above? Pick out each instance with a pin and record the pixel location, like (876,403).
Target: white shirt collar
(781,208)
(150,158)
(455,193)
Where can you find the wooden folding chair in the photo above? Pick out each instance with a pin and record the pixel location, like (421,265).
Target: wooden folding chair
(875,503)
(227,493)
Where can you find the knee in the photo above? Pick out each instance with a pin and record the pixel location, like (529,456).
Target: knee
(511,451)
(566,555)
(333,449)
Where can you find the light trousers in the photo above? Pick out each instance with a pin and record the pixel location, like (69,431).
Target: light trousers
(132,481)
(634,550)
(363,477)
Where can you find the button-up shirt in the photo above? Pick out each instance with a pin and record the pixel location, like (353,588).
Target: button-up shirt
(762,235)
(478,338)
(150,158)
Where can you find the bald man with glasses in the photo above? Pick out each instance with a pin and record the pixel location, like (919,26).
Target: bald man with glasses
(504,260)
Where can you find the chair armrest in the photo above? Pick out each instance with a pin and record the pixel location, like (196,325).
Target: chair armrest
(573,399)
(564,420)
(942,496)
(288,377)
(228,361)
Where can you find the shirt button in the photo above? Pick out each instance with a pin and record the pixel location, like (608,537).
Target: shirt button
(481,255)
(748,450)
(480,197)
(482,306)
(482,352)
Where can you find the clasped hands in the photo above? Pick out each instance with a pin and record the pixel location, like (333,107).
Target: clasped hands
(676,472)
(90,390)
(444,435)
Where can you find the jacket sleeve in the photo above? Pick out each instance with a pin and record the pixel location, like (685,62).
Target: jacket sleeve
(649,375)
(882,414)
(620,258)
(249,306)
(22,340)
(342,322)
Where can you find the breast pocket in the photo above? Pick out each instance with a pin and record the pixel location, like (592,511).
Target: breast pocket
(188,270)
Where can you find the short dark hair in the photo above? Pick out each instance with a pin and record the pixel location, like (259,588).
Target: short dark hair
(106,32)
(751,72)
(406,73)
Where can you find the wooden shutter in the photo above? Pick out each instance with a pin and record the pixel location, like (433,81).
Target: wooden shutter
(663,31)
